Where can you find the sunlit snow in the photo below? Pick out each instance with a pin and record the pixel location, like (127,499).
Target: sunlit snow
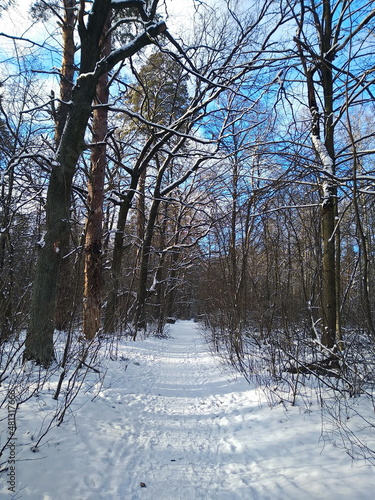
(173,422)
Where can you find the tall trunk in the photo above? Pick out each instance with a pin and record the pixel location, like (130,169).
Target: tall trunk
(118,250)
(39,339)
(139,319)
(235,330)
(92,293)
(67,72)
(329,209)
(140,313)
(325,152)
(68,68)
(110,312)
(141,206)
(361,224)
(6,257)
(329,276)
(173,273)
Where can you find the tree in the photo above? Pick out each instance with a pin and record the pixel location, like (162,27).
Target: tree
(212,72)
(160,97)
(160,94)
(92,302)
(5,222)
(39,341)
(66,13)
(327,56)
(5,5)
(22,181)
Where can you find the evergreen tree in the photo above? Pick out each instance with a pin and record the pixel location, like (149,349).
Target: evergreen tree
(159,97)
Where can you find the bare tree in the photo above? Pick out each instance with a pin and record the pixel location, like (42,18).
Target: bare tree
(327,60)
(39,342)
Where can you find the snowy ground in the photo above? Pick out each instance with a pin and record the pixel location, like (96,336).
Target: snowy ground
(170,422)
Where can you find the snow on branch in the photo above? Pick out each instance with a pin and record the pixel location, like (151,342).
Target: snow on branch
(328,169)
(128,50)
(323,154)
(124,52)
(127,4)
(173,130)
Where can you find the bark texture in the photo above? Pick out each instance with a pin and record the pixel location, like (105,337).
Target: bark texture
(39,340)
(92,293)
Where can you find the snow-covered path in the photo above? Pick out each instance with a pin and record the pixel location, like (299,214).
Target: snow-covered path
(171,423)
(182,442)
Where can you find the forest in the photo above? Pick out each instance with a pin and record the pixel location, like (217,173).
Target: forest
(215,164)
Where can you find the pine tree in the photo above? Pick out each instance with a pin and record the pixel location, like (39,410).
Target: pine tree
(159,97)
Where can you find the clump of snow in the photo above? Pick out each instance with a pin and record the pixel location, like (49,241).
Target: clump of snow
(170,422)
(42,241)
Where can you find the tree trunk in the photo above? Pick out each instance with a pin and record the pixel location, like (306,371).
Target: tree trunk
(325,152)
(92,293)
(68,68)
(118,250)
(39,339)
(329,276)
(6,257)
(140,313)
(67,73)
(329,208)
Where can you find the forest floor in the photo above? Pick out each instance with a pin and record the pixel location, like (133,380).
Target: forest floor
(170,421)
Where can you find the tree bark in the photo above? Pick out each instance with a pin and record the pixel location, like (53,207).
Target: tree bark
(118,251)
(140,313)
(329,206)
(60,114)
(68,68)
(92,293)
(325,152)
(39,339)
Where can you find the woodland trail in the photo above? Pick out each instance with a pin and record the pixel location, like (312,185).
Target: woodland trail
(183,429)
(170,421)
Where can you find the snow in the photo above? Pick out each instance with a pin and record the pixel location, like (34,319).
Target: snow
(328,168)
(170,421)
(115,2)
(323,154)
(42,241)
